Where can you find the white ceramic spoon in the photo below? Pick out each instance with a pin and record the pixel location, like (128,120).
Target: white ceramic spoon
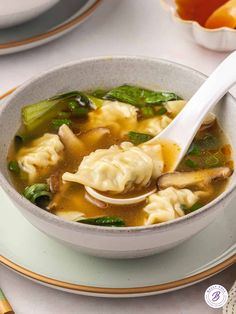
(184,127)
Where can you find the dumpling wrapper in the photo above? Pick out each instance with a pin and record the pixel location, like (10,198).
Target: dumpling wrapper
(41,153)
(119,168)
(120,117)
(175,106)
(153,126)
(166,204)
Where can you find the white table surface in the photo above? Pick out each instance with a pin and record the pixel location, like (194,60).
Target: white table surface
(124,27)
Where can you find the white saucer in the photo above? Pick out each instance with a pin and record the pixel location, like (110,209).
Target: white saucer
(60,19)
(34,255)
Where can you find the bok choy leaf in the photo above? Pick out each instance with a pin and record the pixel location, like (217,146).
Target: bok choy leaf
(37,114)
(104,221)
(139,96)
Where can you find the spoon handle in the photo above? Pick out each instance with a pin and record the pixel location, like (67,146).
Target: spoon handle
(184,127)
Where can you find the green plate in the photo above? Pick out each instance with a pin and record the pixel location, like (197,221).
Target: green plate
(31,253)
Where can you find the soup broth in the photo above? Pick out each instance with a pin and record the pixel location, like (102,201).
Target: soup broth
(95,130)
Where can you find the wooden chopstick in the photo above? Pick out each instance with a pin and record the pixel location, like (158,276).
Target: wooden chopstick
(5,307)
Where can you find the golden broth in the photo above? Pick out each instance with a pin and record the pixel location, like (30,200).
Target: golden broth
(72,197)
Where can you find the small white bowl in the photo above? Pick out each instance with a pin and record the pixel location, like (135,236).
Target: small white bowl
(13,12)
(219,39)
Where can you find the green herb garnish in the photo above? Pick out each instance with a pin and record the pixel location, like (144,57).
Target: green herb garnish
(38,193)
(161,111)
(105,221)
(138,138)
(190,163)
(194,149)
(59,122)
(147,112)
(99,93)
(139,96)
(13,166)
(64,114)
(215,160)
(190,209)
(76,110)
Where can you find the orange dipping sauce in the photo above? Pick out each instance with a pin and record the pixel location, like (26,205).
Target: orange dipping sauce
(198,10)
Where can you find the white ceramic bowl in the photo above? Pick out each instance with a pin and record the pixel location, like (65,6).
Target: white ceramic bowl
(108,72)
(13,12)
(219,39)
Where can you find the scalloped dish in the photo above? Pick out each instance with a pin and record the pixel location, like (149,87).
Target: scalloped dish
(210,23)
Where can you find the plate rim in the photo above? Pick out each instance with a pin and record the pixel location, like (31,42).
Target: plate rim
(93,290)
(55,31)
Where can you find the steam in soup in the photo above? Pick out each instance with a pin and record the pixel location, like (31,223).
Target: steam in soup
(100,139)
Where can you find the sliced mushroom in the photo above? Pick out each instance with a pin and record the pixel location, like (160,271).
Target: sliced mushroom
(208,121)
(71,142)
(94,136)
(54,182)
(53,205)
(198,178)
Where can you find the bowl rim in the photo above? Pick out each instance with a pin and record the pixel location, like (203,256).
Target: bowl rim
(75,226)
(166,6)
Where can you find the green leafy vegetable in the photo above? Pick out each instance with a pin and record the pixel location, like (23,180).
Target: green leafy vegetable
(59,122)
(83,100)
(194,149)
(138,138)
(139,96)
(95,102)
(99,93)
(64,114)
(81,112)
(76,110)
(22,138)
(13,166)
(190,163)
(161,111)
(38,193)
(67,95)
(147,112)
(36,114)
(105,221)
(190,209)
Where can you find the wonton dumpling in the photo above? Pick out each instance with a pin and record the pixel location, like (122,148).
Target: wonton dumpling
(41,153)
(165,205)
(175,106)
(118,168)
(155,152)
(154,126)
(119,116)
